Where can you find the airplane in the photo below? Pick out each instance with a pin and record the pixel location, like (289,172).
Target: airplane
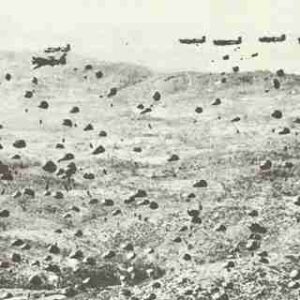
(48,61)
(57,49)
(228,42)
(193,41)
(272,39)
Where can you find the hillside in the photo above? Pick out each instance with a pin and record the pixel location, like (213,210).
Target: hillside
(120,182)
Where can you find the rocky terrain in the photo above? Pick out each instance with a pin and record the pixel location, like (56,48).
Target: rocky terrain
(118,182)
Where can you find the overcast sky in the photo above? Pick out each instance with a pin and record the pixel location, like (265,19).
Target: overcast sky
(146,31)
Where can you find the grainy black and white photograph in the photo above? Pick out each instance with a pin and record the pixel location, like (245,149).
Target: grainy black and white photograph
(149,150)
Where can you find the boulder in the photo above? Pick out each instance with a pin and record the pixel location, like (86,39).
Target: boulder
(54,249)
(276,83)
(50,166)
(8,77)
(100,149)
(4,213)
(199,110)
(173,157)
(36,281)
(200,184)
(88,127)
(109,254)
(67,122)
(108,202)
(74,110)
(284,131)
(103,133)
(217,101)
(19,144)
(156,96)
(276,114)
(44,105)
(28,94)
(113,91)
(77,254)
(29,192)
(153,205)
(67,156)
(99,74)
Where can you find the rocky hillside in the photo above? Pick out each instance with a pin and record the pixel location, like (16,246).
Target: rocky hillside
(118,182)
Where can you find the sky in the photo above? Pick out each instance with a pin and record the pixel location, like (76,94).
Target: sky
(147,31)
